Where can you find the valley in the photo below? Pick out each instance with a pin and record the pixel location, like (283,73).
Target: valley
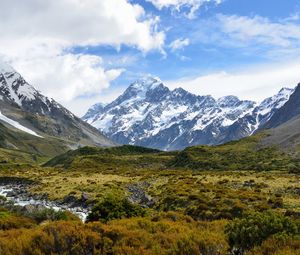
(225,181)
(198,195)
(149,127)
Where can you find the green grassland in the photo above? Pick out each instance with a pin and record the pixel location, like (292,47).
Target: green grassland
(193,197)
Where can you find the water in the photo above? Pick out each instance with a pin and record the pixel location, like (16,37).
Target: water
(23,201)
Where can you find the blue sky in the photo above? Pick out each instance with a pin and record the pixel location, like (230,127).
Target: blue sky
(90,54)
(210,50)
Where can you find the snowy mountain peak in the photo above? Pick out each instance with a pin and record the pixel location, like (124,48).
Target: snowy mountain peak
(148,89)
(145,84)
(14,87)
(149,114)
(286,92)
(179,92)
(95,109)
(278,100)
(23,108)
(228,101)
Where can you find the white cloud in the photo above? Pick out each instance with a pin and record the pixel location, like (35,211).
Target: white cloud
(255,84)
(192,5)
(179,44)
(249,30)
(77,22)
(73,80)
(36,36)
(70,75)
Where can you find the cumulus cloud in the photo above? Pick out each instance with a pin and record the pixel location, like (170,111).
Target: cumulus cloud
(36,38)
(70,75)
(179,44)
(256,84)
(75,80)
(178,5)
(76,22)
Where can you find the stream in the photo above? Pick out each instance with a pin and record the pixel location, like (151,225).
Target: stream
(18,195)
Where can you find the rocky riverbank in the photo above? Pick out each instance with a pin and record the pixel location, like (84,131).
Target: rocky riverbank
(16,191)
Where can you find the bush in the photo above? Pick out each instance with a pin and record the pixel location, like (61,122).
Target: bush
(114,208)
(286,246)
(254,228)
(165,234)
(50,214)
(10,221)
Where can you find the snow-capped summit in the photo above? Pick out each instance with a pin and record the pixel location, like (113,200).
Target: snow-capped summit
(150,114)
(146,83)
(228,101)
(26,109)
(15,88)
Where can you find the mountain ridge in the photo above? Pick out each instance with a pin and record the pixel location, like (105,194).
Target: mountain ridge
(26,109)
(150,114)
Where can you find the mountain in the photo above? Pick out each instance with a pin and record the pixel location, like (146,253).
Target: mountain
(287,112)
(283,126)
(25,111)
(149,114)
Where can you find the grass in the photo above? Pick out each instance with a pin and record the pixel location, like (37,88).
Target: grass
(204,185)
(246,154)
(171,180)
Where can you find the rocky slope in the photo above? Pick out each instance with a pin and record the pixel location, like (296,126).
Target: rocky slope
(284,126)
(23,109)
(287,112)
(149,114)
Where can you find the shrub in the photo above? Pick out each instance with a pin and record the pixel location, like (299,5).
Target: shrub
(10,221)
(114,208)
(254,228)
(50,214)
(277,246)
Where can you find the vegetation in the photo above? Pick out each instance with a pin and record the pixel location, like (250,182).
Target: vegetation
(69,157)
(238,198)
(162,234)
(114,208)
(19,142)
(255,228)
(245,154)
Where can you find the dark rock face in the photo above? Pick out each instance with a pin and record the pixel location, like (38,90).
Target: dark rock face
(22,102)
(94,110)
(287,112)
(149,114)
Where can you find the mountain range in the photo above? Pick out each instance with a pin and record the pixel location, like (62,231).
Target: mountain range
(150,114)
(32,122)
(147,114)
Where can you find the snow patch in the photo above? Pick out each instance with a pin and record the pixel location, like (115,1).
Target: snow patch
(18,125)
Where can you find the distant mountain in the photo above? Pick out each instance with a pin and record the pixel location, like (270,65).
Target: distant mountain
(149,114)
(287,112)
(284,126)
(23,109)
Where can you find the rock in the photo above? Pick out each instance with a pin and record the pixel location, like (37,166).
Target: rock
(28,208)
(139,196)
(69,199)
(84,196)
(11,193)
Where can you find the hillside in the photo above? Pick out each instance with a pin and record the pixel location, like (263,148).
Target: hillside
(30,121)
(289,111)
(246,154)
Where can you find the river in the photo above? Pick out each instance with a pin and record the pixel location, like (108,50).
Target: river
(12,193)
